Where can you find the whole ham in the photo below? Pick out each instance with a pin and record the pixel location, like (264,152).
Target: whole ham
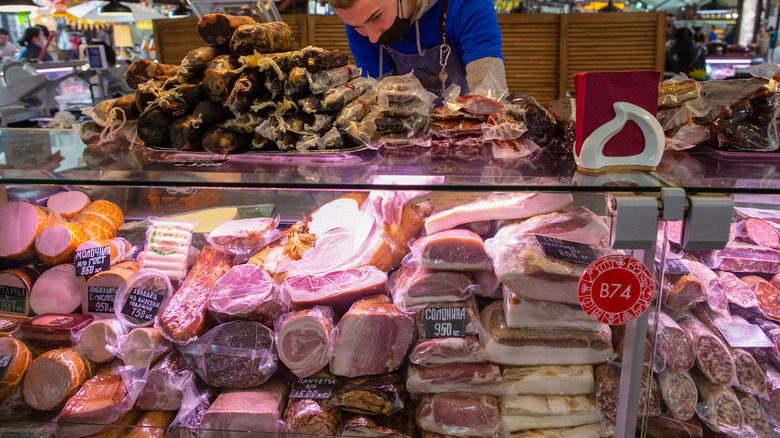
(247,292)
(495,206)
(477,378)
(258,409)
(459,414)
(456,250)
(338,289)
(303,339)
(576,224)
(373,337)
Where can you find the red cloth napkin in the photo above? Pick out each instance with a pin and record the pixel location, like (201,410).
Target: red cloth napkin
(595,94)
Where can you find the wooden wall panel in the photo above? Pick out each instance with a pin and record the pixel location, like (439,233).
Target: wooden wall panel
(327,31)
(174,38)
(531,44)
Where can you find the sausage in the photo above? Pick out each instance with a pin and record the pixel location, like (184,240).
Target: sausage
(712,355)
(222,141)
(197,61)
(57,244)
(68,204)
(317,59)
(152,424)
(755,415)
(165,383)
(185,315)
(737,291)
(619,337)
(721,408)
(97,336)
(673,343)
(142,70)
(759,232)
(15,370)
(679,393)
(58,290)
(142,346)
(247,88)
(127,106)
(153,126)
(665,427)
(218,29)
(29,221)
(177,101)
(607,381)
(768,296)
(184,136)
(262,38)
(683,292)
(15,287)
(220,77)
(54,377)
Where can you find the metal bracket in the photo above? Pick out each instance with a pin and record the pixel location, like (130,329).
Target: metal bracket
(634,221)
(708,222)
(673,200)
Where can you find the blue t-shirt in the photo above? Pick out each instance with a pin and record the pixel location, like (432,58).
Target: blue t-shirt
(472,31)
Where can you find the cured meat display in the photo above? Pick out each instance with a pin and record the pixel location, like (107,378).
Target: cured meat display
(259,409)
(712,356)
(303,339)
(247,292)
(459,414)
(54,377)
(311,417)
(382,394)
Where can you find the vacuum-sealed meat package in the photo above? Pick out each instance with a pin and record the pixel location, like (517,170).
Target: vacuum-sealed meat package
(304,338)
(247,292)
(220,77)
(383,394)
(317,59)
(326,79)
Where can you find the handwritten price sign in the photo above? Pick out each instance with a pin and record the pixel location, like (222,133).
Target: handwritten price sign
(616,289)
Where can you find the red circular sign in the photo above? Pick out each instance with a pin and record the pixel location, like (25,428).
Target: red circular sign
(616,289)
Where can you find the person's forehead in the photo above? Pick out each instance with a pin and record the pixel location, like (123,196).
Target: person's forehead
(361,11)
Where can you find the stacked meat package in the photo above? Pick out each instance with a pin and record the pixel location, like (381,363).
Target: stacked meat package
(715,367)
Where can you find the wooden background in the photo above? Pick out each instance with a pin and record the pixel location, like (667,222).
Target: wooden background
(541,51)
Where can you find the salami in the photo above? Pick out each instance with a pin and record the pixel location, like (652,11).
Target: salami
(683,292)
(678,391)
(759,232)
(218,29)
(197,61)
(755,415)
(184,318)
(768,296)
(607,380)
(720,408)
(222,141)
(673,344)
(712,356)
(737,291)
(154,126)
(262,38)
(142,70)
(317,59)
(220,78)
(665,427)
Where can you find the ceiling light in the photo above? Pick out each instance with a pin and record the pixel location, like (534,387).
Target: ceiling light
(17,6)
(180,11)
(115,8)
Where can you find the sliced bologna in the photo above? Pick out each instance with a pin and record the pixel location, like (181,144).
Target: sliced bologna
(54,377)
(68,204)
(17,283)
(768,296)
(19,363)
(58,290)
(712,355)
(304,338)
(23,222)
(57,244)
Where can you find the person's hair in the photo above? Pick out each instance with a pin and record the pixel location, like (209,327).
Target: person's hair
(342,4)
(29,34)
(4,32)
(683,46)
(43,29)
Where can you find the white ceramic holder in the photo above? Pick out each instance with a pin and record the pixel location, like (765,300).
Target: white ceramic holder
(591,157)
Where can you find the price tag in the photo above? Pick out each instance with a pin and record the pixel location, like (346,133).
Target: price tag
(615,289)
(318,386)
(199,163)
(445,322)
(5,362)
(142,304)
(677,267)
(100,299)
(744,336)
(93,260)
(565,250)
(13,299)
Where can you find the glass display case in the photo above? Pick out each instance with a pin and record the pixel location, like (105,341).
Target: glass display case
(368,235)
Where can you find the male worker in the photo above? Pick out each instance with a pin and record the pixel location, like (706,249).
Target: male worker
(443,41)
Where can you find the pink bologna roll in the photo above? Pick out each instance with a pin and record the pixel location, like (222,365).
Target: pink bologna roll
(101,219)
(22,223)
(68,204)
(57,244)
(121,250)
(304,338)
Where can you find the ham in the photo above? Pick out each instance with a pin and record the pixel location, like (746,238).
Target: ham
(495,206)
(58,290)
(413,287)
(428,352)
(373,337)
(247,292)
(477,378)
(27,221)
(459,414)
(548,379)
(165,384)
(244,237)
(15,287)
(338,289)
(19,359)
(258,410)
(97,336)
(54,377)
(456,250)
(57,244)
(575,224)
(68,204)
(101,289)
(508,346)
(525,313)
(524,412)
(142,346)
(303,340)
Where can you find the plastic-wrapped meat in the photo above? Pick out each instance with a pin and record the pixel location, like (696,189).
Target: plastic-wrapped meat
(528,412)
(459,414)
(356,110)
(317,59)
(743,125)
(338,289)
(247,292)
(165,384)
(502,126)
(223,141)
(239,354)
(244,124)
(389,124)
(196,399)
(525,313)
(332,139)
(197,61)
(217,29)
(251,411)
(673,344)
(269,129)
(607,381)
(184,136)
(180,99)
(289,140)
(737,291)
(153,128)
(401,140)
(720,408)
(768,296)
(398,425)
(297,81)
(305,416)
(143,70)
(428,352)
(479,378)
(326,79)
(126,105)
(712,355)
(667,427)
(563,111)
(714,291)
(478,105)
(678,391)
(248,87)
(311,104)
(263,38)
(682,292)
(306,142)
(321,123)
(303,339)
(540,123)
(755,415)
(337,98)
(548,379)
(219,78)
(451,128)
(415,286)
(458,250)
(372,395)
(759,232)
(576,224)
(274,83)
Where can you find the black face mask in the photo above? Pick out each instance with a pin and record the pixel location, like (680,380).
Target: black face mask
(397,30)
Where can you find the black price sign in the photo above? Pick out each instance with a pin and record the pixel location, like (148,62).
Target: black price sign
(142,304)
(677,267)
(565,250)
(445,322)
(318,386)
(5,362)
(93,260)
(100,299)
(13,299)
